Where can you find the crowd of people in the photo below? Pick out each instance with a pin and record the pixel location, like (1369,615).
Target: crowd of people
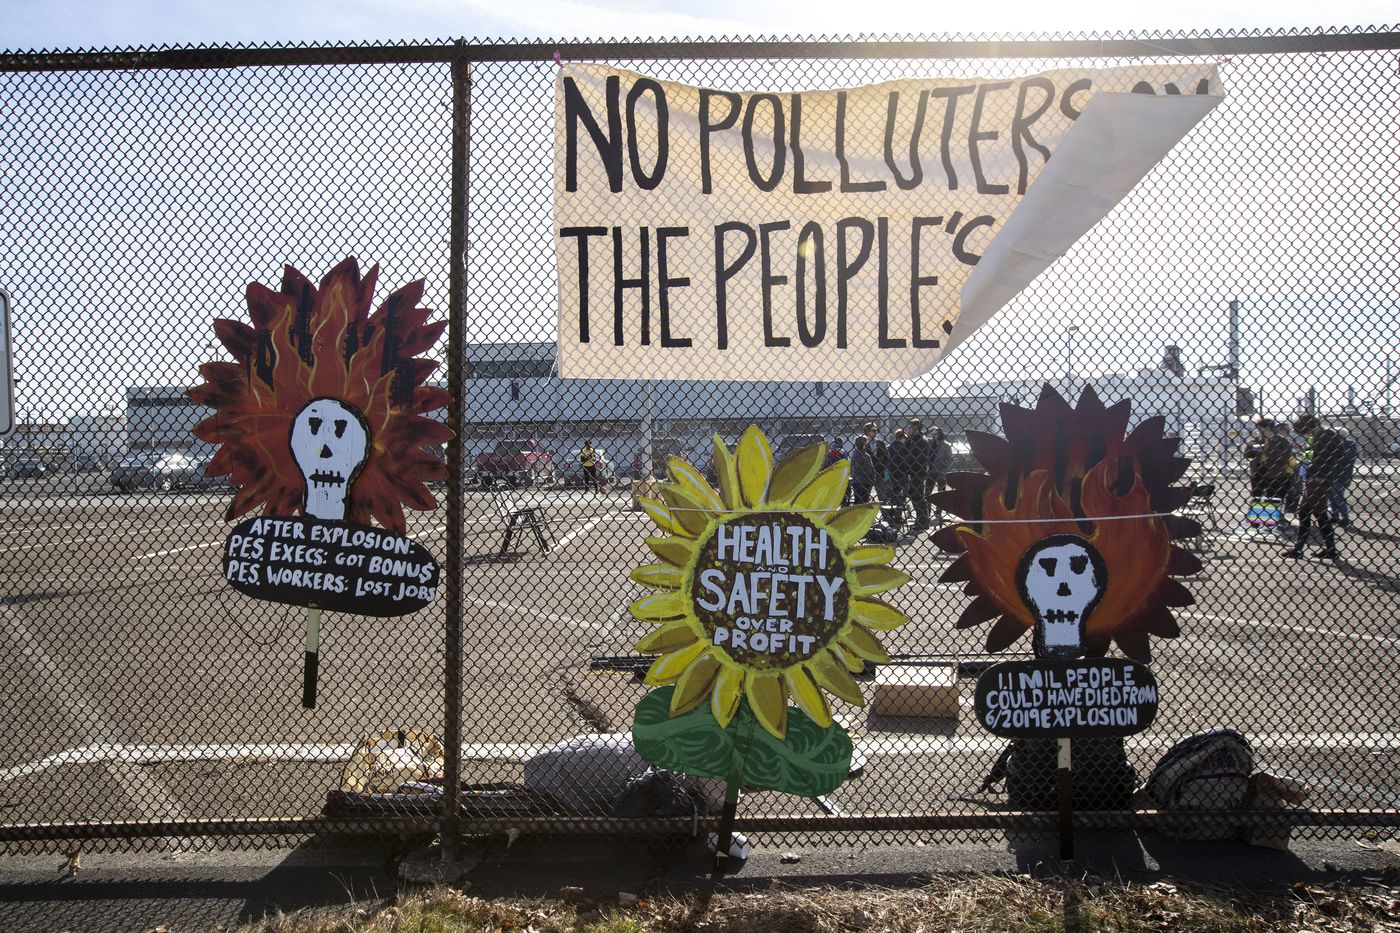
(1307,474)
(902,472)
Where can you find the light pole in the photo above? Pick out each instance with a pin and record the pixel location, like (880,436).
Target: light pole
(1070,331)
(1386,387)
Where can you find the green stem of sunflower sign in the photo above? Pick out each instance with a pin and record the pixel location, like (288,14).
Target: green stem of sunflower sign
(313,655)
(732,785)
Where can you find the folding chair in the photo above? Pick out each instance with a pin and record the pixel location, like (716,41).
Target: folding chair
(1201,507)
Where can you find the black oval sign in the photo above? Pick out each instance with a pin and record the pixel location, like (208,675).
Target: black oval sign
(1066,698)
(305,561)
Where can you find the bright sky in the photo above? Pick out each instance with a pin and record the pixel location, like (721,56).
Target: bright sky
(1297,270)
(30,24)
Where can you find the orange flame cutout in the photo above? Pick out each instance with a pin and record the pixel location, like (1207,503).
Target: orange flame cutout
(307,343)
(1063,470)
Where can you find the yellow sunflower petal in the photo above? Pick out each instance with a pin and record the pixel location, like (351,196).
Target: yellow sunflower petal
(859,640)
(662,516)
(674,551)
(832,676)
(673,636)
(665,669)
(727,477)
(807,697)
(866,555)
(657,607)
(754,463)
(657,575)
(693,686)
(687,512)
(849,658)
(827,490)
(878,579)
(850,524)
(724,697)
(795,472)
(768,700)
(688,478)
(877,615)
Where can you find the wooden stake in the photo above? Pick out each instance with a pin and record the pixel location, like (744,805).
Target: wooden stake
(313,657)
(1065,789)
(725,836)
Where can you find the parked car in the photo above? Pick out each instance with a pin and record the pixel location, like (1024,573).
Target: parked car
(571,470)
(793,442)
(26,468)
(164,470)
(963,460)
(516,463)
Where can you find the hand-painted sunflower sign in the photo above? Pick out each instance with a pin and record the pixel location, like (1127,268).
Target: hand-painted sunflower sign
(1068,535)
(320,422)
(765,597)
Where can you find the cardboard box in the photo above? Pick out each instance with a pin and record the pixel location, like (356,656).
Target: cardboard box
(1270,792)
(926,690)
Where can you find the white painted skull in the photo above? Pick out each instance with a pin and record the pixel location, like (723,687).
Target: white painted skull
(1061,578)
(330,444)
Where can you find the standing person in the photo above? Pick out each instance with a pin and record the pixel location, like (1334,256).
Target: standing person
(1295,470)
(588,458)
(880,456)
(862,471)
(920,458)
(1341,513)
(1322,474)
(899,470)
(941,463)
(1270,476)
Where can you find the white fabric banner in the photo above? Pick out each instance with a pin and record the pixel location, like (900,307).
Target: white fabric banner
(831,235)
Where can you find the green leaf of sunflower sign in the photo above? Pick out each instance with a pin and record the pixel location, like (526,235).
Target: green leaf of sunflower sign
(765,597)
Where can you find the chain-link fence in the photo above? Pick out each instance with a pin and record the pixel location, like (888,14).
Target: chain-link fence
(1252,274)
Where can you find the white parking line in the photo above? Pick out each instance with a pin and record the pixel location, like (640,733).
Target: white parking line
(586,527)
(871,745)
(145,791)
(124,529)
(128,526)
(181,550)
(877,743)
(1285,627)
(534,613)
(259,753)
(42,545)
(1372,795)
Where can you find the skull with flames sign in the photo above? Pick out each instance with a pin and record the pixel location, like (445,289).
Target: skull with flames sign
(323,409)
(1069,532)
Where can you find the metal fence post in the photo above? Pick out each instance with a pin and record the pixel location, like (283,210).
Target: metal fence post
(457,278)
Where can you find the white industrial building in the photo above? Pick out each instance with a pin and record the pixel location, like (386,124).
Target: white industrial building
(1201,410)
(512,391)
(95,441)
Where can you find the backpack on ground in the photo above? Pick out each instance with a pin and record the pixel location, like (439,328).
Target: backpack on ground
(1101,777)
(1205,772)
(658,794)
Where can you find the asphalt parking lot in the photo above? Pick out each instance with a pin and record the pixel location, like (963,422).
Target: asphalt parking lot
(140,686)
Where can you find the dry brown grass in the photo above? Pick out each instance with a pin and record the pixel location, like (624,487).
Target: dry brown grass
(980,904)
